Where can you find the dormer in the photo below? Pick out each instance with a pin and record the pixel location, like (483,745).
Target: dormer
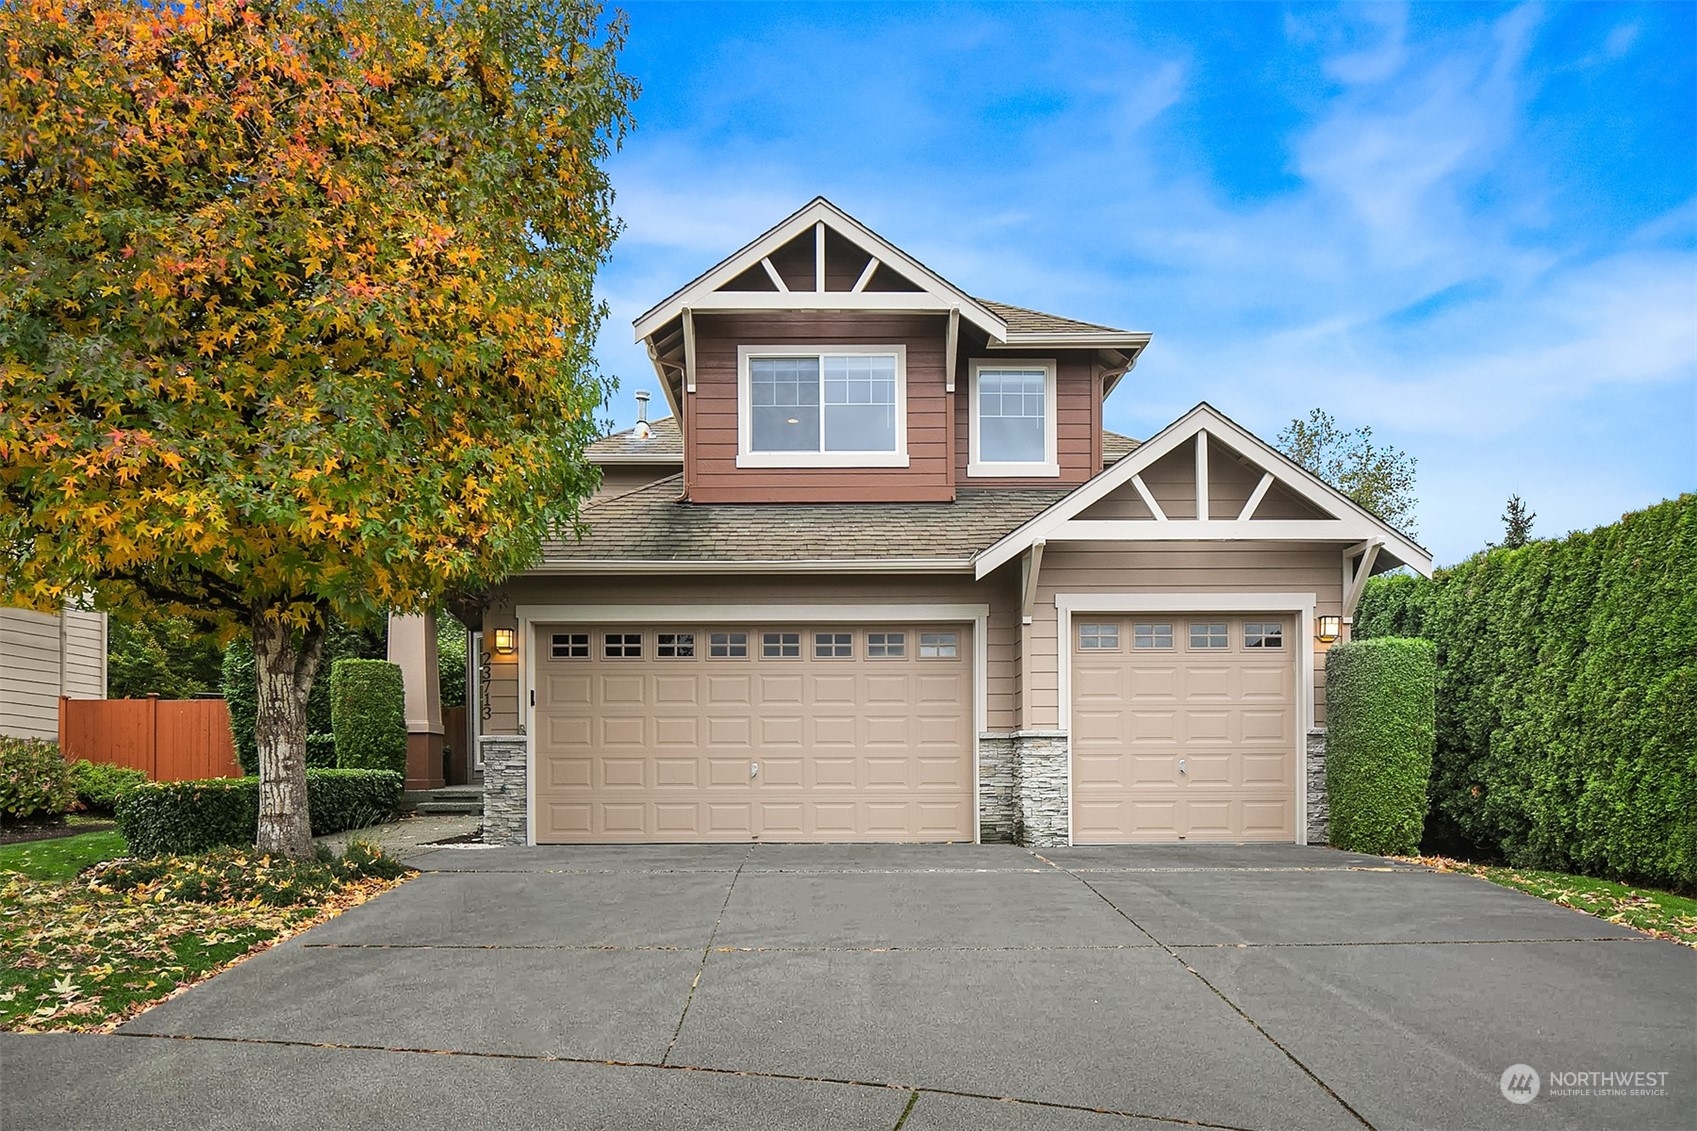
(820,363)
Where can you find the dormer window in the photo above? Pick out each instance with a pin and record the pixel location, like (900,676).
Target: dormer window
(822,406)
(1013,419)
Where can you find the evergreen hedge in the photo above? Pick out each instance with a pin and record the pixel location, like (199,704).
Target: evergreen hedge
(368,715)
(184,817)
(240,680)
(1379,739)
(1566,697)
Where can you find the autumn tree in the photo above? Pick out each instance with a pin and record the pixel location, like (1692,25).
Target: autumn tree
(1378,477)
(297,311)
(1517,523)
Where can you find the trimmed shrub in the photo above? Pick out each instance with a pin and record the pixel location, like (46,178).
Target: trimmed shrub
(368,715)
(186,817)
(99,785)
(35,782)
(241,695)
(1380,720)
(1566,697)
(321,752)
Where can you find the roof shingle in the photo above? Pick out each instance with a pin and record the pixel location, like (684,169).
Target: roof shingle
(665,444)
(1023,321)
(653,525)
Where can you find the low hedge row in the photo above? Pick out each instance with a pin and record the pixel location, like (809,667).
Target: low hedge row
(1380,719)
(99,785)
(179,818)
(35,782)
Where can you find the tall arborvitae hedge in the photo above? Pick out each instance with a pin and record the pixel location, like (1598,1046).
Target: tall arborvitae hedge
(1567,697)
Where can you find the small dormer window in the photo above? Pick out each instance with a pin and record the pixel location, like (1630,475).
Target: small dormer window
(1013,419)
(828,406)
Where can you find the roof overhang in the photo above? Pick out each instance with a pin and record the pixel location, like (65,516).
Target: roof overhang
(767,565)
(1349,525)
(936,294)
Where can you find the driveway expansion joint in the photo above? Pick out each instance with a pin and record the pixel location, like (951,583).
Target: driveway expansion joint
(1217,992)
(915,1090)
(705,951)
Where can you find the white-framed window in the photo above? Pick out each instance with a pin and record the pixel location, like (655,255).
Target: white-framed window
(886,645)
(1012,414)
(1098,637)
(621,645)
(569,646)
(675,645)
(833,645)
(780,645)
(822,406)
(1209,634)
(727,645)
(939,645)
(1263,634)
(1151,636)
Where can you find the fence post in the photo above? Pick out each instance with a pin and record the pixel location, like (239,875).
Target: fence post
(153,735)
(63,732)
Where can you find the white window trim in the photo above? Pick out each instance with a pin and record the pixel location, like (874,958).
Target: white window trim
(1049,466)
(748,457)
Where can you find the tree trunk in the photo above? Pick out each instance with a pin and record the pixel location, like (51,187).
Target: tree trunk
(285,672)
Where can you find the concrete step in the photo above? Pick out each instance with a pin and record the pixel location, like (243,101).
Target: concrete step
(449,808)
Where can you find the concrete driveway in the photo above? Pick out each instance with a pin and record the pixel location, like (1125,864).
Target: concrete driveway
(919,987)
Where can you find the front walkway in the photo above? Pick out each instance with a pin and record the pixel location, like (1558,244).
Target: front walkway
(407,838)
(779,986)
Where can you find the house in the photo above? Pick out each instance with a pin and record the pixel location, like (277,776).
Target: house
(883,575)
(44,656)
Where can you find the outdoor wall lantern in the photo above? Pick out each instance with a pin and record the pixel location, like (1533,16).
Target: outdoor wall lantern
(1330,629)
(504,641)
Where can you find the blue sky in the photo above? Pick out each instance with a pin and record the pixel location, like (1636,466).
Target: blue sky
(1472,227)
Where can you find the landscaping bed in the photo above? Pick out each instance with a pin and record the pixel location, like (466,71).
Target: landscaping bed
(1659,913)
(89,952)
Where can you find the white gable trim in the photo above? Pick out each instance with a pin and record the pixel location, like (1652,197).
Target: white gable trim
(1350,522)
(937,293)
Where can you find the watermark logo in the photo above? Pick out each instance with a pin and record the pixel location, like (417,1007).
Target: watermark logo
(1520,1084)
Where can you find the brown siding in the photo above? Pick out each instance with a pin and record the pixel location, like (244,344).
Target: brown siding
(1173,567)
(752,590)
(711,419)
(1078,421)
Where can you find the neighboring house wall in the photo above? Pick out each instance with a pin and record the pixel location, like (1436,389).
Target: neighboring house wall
(710,414)
(44,656)
(622,478)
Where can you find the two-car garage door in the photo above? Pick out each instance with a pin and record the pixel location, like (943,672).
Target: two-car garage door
(792,732)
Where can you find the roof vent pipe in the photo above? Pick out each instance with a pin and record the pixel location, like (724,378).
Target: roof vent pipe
(642,429)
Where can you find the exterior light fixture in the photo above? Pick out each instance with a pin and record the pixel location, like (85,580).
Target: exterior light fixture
(504,641)
(1330,629)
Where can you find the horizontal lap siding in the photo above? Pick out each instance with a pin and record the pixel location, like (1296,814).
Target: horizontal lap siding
(29,673)
(1174,567)
(712,412)
(773,591)
(1078,420)
(622,478)
(85,654)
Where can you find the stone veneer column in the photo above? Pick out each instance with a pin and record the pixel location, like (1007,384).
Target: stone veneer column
(1319,813)
(998,789)
(1042,781)
(506,790)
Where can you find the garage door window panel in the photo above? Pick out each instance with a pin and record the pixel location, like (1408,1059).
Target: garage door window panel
(727,646)
(833,645)
(939,645)
(886,645)
(1152,637)
(1263,634)
(1209,635)
(622,645)
(675,645)
(569,646)
(780,645)
(1099,637)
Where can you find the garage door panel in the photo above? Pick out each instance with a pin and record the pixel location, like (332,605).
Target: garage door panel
(1229,713)
(851,747)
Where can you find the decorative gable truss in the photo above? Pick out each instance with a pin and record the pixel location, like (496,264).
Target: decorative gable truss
(818,259)
(1205,479)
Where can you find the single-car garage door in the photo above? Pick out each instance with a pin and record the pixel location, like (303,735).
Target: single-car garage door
(786,732)
(1183,728)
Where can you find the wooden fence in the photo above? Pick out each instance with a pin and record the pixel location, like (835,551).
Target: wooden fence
(170,739)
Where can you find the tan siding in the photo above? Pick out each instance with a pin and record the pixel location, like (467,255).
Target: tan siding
(773,591)
(85,654)
(29,674)
(1175,567)
(712,413)
(623,478)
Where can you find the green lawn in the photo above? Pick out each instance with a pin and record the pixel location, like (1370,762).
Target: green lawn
(1654,912)
(62,857)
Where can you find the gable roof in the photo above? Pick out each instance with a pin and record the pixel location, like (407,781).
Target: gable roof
(652,529)
(665,444)
(943,293)
(1352,522)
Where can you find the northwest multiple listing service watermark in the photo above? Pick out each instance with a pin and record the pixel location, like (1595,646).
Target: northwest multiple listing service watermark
(1521,1083)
